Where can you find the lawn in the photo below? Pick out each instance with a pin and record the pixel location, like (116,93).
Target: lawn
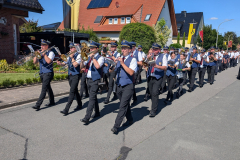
(17,76)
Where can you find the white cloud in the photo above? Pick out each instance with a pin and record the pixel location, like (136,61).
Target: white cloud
(213,18)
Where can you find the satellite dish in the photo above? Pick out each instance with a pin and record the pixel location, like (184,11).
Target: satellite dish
(117,4)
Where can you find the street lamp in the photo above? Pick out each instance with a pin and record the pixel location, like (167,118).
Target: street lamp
(219,26)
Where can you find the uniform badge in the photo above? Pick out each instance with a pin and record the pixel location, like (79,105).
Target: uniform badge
(160,63)
(195,57)
(178,59)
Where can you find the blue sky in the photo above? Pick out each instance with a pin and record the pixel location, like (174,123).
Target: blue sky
(214,12)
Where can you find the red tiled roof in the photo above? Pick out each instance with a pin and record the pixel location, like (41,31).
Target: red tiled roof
(124,10)
(154,7)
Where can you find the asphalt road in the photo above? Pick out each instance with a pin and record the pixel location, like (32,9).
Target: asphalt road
(203,124)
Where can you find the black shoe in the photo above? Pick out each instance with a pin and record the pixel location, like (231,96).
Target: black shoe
(134,101)
(50,104)
(106,101)
(215,74)
(190,90)
(84,121)
(114,130)
(146,97)
(36,107)
(128,123)
(201,86)
(114,97)
(95,115)
(211,83)
(64,112)
(152,114)
(77,108)
(177,95)
(165,101)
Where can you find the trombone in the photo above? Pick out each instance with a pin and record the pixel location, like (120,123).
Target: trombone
(39,54)
(37,74)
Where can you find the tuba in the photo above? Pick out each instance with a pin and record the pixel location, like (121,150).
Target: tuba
(212,59)
(191,62)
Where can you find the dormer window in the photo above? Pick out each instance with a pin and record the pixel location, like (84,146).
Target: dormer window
(128,20)
(148,16)
(115,20)
(110,21)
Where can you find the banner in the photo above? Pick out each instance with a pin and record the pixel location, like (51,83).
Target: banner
(229,44)
(191,33)
(201,35)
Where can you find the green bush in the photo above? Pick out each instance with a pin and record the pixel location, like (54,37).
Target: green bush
(39,80)
(28,81)
(175,45)
(4,65)
(6,83)
(0,84)
(35,80)
(20,82)
(57,77)
(63,77)
(140,33)
(29,65)
(66,76)
(13,83)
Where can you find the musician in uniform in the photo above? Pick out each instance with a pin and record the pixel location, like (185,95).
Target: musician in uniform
(168,57)
(202,67)
(217,64)
(147,94)
(187,73)
(155,76)
(184,66)
(125,69)
(195,58)
(138,56)
(231,59)
(46,74)
(112,74)
(171,76)
(73,62)
(211,65)
(94,71)
(139,78)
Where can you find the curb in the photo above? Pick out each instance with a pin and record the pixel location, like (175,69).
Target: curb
(8,105)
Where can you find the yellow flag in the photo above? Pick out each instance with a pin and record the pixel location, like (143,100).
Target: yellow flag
(190,33)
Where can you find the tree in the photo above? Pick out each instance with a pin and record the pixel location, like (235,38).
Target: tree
(183,42)
(162,32)
(178,38)
(81,29)
(175,45)
(30,26)
(140,33)
(209,37)
(232,36)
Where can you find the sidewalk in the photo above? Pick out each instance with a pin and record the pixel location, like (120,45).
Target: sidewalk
(12,97)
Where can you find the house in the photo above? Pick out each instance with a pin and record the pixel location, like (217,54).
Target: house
(183,21)
(12,13)
(51,27)
(108,17)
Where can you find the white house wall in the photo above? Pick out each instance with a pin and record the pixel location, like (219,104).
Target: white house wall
(112,36)
(166,15)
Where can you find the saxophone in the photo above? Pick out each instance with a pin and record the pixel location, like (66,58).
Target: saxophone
(191,56)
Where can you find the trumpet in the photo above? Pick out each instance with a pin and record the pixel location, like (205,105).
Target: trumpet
(39,54)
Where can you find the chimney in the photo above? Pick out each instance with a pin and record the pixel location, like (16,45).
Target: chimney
(184,13)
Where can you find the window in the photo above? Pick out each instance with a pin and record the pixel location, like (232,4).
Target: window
(115,20)
(128,20)
(148,16)
(122,20)
(110,20)
(98,19)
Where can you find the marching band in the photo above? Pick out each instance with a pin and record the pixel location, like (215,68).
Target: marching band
(120,72)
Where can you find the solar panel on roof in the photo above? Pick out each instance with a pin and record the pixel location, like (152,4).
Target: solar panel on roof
(99,4)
